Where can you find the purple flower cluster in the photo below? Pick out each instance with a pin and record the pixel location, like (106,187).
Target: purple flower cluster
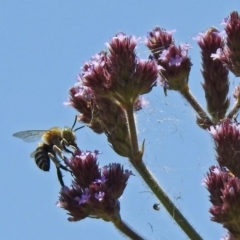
(215,75)
(119,74)
(173,60)
(94,191)
(110,83)
(224,190)
(223,182)
(229,54)
(226,136)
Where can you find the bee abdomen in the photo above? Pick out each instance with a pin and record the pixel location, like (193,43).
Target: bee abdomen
(41,157)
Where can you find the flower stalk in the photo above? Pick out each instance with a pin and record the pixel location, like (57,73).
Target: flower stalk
(202,118)
(148,178)
(129,112)
(125,229)
(171,208)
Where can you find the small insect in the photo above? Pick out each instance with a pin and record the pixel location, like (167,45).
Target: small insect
(156,206)
(229,173)
(54,141)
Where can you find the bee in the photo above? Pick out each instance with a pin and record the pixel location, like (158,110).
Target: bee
(54,141)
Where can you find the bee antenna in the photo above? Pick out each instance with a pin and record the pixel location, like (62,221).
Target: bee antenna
(78,128)
(74,122)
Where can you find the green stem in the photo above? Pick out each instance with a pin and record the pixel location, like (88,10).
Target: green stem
(166,202)
(234,110)
(132,129)
(194,103)
(125,229)
(137,162)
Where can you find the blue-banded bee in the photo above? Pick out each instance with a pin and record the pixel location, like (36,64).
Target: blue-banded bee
(54,141)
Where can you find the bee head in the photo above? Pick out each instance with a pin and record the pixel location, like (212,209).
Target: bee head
(69,136)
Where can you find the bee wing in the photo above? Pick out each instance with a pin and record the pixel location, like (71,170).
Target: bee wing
(30,135)
(32,155)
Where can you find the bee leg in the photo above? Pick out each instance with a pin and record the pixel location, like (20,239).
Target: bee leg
(58,166)
(60,176)
(57,163)
(54,159)
(64,143)
(64,168)
(69,151)
(58,151)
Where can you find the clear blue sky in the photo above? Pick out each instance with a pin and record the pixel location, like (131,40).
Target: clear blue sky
(43,45)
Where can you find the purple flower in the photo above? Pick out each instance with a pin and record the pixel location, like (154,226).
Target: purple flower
(215,75)
(175,66)
(163,55)
(184,48)
(159,40)
(119,75)
(217,55)
(84,198)
(99,196)
(227,140)
(94,191)
(100,180)
(229,54)
(225,21)
(224,189)
(128,173)
(175,61)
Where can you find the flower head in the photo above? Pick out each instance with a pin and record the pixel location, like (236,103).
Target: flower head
(103,116)
(229,54)
(227,140)
(81,98)
(232,50)
(224,190)
(224,22)
(174,63)
(94,191)
(158,40)
(215,75)
(120,75)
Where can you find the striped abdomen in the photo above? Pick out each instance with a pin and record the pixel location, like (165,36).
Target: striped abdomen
(41,156)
